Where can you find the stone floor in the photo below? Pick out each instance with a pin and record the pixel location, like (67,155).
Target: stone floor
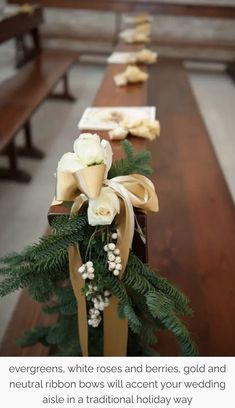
(23,208)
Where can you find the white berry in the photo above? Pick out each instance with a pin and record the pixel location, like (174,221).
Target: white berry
(85,275)
(106,293)
(112,246)
(82,269)
(118,260)
(112,265)
(91,276)
(116,272)
(111,257)
(106,248)
(89,264)
(90,269)
(117,251)
(119,267)
(114,235)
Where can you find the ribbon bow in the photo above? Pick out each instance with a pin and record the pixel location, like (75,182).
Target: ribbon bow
(133,191)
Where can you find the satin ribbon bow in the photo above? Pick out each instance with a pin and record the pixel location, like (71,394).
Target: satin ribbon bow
(133,191)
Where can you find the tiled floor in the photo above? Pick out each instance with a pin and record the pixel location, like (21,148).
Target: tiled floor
(23,208)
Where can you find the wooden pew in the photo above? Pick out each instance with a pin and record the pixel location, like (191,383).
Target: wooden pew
(21,95)
(191,239)
(18,25)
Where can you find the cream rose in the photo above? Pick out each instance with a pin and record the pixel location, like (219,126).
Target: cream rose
(103,210)
(88,150)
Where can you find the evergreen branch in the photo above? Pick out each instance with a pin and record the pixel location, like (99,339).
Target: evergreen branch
(161,309)
(35,335)
(161,284)
(133,162)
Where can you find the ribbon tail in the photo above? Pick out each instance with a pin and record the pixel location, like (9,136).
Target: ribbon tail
(77,282)
(116,329)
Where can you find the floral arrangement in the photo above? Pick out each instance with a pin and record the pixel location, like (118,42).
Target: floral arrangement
(131,75)
(108,301)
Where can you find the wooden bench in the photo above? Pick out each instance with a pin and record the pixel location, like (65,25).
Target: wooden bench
(191,240)
(18,25)
(21,95)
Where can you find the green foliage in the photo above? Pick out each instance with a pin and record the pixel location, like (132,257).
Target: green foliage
(148,300)
(133,162)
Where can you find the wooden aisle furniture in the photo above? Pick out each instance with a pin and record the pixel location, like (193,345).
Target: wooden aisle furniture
(191,240)
(21,95)
(211,11)
(18,25)
(40,70)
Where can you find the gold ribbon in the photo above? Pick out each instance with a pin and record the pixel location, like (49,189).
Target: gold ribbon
(133,191)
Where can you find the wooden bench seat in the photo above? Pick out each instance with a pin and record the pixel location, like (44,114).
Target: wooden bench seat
(21,95)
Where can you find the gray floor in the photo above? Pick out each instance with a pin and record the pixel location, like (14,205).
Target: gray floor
(23,208)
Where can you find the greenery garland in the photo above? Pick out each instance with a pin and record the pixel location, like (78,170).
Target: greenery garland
(148,300)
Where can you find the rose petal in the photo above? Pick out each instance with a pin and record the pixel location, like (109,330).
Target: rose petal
(108,155)
(70,162)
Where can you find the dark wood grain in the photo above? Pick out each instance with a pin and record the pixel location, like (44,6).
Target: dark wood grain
(33,83)
(193,235)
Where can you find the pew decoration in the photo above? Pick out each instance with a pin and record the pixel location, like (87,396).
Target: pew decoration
(108,301)
(144,56)
(139,34)
(140,18)
(131,75)
(143,128)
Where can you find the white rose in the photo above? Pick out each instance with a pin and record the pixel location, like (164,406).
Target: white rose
(103,210)
(88,149)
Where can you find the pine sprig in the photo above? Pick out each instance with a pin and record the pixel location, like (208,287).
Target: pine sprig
(133,162)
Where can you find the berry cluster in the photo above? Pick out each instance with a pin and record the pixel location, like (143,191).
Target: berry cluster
(100,301)
(87,270)
(98,298)
(113,256)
